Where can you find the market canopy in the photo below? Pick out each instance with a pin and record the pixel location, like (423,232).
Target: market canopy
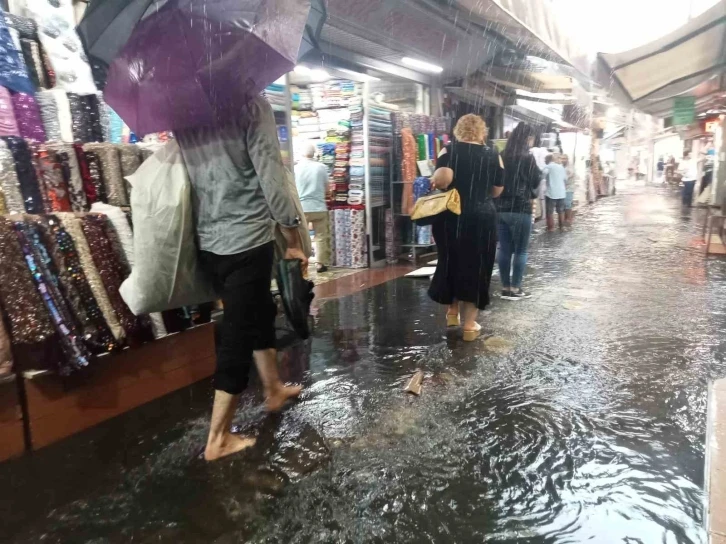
(687,62)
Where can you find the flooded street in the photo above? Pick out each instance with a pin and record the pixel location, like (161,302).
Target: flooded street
(579,416)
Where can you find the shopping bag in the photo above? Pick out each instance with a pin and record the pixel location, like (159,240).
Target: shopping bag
(297,295)
(166,273)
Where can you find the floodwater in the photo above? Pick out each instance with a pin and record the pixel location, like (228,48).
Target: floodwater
(580,416)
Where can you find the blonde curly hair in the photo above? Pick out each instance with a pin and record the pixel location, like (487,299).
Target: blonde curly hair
(471,128)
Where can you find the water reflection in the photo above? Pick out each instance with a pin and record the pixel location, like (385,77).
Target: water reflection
(563,424)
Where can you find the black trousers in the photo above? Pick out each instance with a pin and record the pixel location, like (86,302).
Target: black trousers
(243,283)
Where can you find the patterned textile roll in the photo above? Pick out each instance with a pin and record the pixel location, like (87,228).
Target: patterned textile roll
(331,222)
(12,72)
(28,179)
(33,62)
(9,184)
(358,245)
(56,197)
(96,176)
(104,117)
(112,175)
(72,173)
(342,238)
(49,114)
(27,316)
(74,285)
(8,125)
(73,227)
(6,354)
(76,355)
(393,249)
(80,118)
(3,207)
(25,26)
(63,109)
(130,162)
(94,112)
(28,118)
(408,169)
(111,269)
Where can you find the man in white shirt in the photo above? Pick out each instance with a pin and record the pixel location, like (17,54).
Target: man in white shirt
(556,177)
(311,178)
(688,168)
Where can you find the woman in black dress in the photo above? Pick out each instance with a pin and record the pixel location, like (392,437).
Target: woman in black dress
(467,243)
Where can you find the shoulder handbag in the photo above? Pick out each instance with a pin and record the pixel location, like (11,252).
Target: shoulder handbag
(430,207)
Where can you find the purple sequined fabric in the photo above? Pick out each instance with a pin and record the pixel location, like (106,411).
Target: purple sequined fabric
(28,117)
(8,125)
(27,315)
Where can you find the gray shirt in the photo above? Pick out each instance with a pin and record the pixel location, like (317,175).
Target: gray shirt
(238,180)
(311,179)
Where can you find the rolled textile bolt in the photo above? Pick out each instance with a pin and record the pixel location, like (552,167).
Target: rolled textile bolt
(415,383)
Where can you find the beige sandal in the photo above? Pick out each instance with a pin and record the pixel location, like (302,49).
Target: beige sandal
(471,335)
(452,320)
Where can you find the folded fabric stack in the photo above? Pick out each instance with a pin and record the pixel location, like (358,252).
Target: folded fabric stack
(302,99)
(357,161)
(380,147)
(341,171)
(275,95)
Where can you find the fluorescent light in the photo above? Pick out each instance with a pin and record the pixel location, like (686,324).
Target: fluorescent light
(319,75)
(421,65)
(359,75)
(302,70)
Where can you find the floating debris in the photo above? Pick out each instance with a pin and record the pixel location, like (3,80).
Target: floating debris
(498,344)
(572,305)
(414,384)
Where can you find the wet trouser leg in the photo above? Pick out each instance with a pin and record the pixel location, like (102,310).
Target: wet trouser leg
(243,282)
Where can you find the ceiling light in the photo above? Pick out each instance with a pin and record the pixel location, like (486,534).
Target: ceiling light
(302,70)
(359,75)
(421,65)
(319,75)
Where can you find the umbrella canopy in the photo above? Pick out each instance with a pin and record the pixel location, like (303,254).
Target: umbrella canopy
(193,63)
(106,27)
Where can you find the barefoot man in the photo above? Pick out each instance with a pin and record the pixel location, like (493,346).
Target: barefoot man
(239,192)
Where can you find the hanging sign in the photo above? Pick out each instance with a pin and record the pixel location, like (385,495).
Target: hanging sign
(684,110)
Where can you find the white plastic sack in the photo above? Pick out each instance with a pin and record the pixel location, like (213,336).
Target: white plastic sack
(165,274)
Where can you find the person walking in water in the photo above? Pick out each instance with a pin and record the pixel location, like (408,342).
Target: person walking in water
(239,192)
(467,243)
(522,178)
(311,178)
(556,178)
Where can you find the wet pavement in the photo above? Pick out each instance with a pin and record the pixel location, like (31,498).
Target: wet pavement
(579,416)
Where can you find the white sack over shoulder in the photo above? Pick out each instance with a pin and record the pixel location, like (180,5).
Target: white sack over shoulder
(166,273)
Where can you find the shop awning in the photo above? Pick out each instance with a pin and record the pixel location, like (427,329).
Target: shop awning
(690,61)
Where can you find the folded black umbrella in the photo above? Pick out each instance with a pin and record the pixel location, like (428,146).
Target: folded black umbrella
(297,295)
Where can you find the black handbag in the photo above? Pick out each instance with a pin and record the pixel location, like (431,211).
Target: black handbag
(297,295)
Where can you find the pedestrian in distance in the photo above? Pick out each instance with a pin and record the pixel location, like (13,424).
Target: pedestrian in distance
(467,243)
(556,192)
(311,178)
(522,178)
(239,192)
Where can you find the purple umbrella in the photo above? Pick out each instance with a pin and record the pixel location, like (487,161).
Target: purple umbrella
(198,62)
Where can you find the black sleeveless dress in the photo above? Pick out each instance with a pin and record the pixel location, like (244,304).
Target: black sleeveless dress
(467,243)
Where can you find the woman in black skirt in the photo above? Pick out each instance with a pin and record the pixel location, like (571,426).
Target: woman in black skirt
(467,243)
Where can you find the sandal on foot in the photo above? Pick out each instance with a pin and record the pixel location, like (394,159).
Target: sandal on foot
(452,320)
(471,335)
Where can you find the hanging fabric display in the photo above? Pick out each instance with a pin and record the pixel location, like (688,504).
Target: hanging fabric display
(9,184)
(57,34)
(358,242)
(52,182)
(408,169)
(27,178)
(8,125)
(12,72)
(67,156)
(75,353)
(113,181)
(49,114)
(27,315)
(74,285)
(73,227)
(27,115)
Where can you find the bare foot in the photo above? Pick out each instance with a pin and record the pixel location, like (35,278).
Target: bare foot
(276,401)
(229,444)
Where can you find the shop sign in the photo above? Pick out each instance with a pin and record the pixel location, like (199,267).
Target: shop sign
(712,126)
(684,110)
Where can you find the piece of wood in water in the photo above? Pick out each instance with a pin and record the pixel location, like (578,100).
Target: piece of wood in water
(414,384)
